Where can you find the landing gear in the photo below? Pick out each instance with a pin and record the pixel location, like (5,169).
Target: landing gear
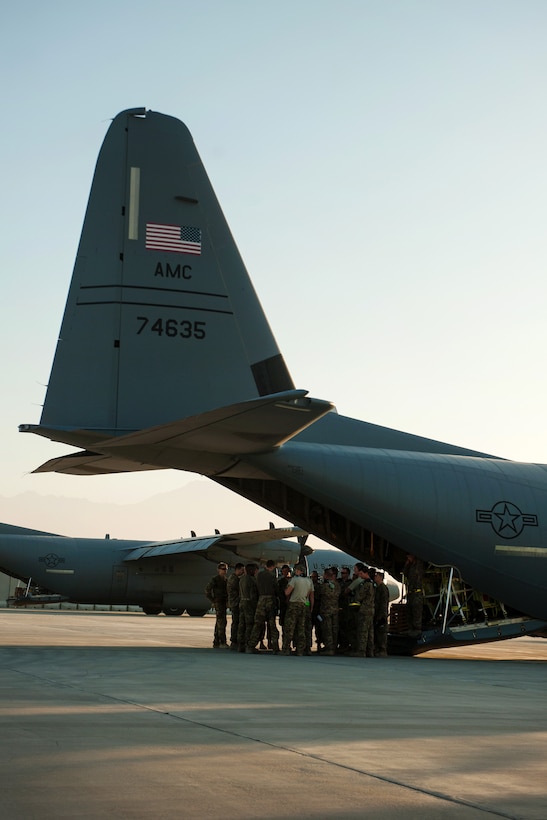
(197,613)
(151,610)
(172,611)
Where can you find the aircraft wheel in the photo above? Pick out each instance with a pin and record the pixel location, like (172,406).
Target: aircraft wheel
(172,611)
(197,613)
(151,610)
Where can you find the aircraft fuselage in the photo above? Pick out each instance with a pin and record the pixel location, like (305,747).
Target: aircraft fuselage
(93,571)
(486,517)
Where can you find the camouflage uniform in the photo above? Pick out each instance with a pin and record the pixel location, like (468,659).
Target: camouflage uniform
(298,615)
(315,623)
(365,634)
(216,592)
(248,597)
(266,610)
(353,615)
(330,593)
(295,628)
(343,615)
(232,586)
(282,584)
(381,607)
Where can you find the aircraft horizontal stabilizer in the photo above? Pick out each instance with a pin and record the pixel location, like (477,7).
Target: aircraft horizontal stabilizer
(254,426)
(87,463)
(205,443)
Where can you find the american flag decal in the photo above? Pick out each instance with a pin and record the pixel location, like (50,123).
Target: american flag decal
(173,238)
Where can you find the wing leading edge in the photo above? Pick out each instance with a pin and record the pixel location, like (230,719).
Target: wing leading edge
(258,545)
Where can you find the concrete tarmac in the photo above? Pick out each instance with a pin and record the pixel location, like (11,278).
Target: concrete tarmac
(121,715)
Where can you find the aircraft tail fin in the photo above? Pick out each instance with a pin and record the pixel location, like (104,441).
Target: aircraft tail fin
(11,529)
(161,321)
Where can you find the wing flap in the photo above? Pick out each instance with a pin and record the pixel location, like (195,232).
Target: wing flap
(187,545)
(242,539)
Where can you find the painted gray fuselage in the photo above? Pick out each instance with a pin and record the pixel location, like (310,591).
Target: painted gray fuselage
(86,570)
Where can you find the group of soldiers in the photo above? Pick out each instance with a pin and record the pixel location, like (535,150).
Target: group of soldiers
(348,613)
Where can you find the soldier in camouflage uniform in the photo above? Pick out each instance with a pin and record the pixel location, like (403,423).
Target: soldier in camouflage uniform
(315,622)
(381,609)
(343,611)
(365,596)
(282,583)
(354,606)
(266,609)
(217,594)
(232,586)
(248,597)
(300,595)
(330,593)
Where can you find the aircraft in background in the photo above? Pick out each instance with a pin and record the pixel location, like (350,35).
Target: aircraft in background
(166,360)
(159,576)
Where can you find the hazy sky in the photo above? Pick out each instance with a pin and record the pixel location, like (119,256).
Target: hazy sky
(381,165)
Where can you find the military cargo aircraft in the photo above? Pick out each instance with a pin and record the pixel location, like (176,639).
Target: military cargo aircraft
(159,576)
(166,360)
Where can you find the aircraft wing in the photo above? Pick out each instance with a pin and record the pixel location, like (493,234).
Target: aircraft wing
(242,539)
(259,545)
(198,545)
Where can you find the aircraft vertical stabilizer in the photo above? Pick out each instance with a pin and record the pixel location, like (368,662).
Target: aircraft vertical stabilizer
(162,321)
